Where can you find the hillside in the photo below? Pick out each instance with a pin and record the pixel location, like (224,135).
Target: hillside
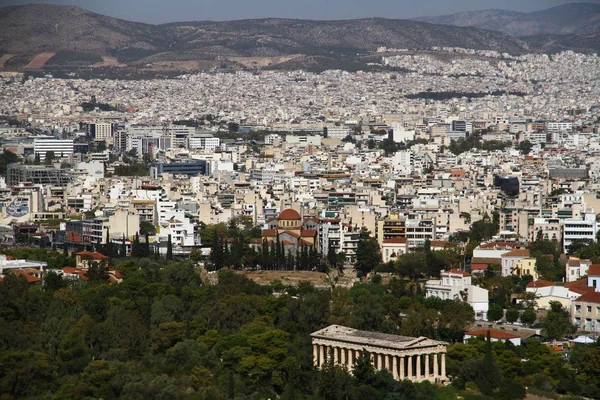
(586,42)
(563,19)
(70,36)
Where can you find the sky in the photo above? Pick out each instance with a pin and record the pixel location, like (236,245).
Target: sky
(162,11)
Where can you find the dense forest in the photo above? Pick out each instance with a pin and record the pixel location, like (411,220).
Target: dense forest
(164,333)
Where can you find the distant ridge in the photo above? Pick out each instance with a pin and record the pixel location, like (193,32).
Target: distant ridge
(569,18)
(79,36)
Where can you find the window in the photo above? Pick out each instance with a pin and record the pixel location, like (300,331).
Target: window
(577,308)
(589,308)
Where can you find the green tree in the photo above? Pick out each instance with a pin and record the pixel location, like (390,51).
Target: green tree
(495,312)
(49,157)
(169,248)
(556,324)
(525,147)
(147,228)
(512,315)
(368,255)
(528,316)
(489,377)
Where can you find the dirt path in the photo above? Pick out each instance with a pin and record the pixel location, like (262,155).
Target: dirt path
(39,61)
(5,58)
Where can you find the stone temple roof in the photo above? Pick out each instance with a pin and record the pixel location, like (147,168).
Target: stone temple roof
(355,336)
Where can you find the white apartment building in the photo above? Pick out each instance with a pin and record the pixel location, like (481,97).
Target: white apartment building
(148,143)
(179,227)
(204,141)
(61,147)
(456,285)
(559,127)
(419,230)
(576,268)
(584,228)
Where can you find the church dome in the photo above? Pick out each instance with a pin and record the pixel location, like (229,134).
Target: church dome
(289,214)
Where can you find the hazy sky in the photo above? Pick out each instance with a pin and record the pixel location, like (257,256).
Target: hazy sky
(160,11)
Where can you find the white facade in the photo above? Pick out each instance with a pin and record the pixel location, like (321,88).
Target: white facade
(575,229)
(179,227)
(456,285)
(204,142)
(400,134)
(60,147)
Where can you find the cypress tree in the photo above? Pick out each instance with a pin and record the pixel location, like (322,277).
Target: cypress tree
(273,256)
(123,248)
(136,250)
(169,248)
(265,261)
(147,246)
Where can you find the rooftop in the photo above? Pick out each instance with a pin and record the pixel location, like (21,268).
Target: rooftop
(350,335)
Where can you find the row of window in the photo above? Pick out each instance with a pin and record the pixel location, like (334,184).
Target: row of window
(589,309)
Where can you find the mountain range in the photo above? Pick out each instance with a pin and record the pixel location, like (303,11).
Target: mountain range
(52,37)
(572,18)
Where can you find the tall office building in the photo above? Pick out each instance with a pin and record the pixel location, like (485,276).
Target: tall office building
(100,130)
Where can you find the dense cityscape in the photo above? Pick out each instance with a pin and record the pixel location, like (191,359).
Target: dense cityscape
(426,228)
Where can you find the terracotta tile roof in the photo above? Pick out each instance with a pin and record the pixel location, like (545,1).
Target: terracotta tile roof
(269,232)
(287,243)
(290,214)
(517,253)
(401,240)
(589,297)
(94,255)
(579,290)
(580,284)
(439,243)
(594,270)
(479,267)
(292,233)
(539,284)
(493,334)
(116,273)
(31,278)
(308,233)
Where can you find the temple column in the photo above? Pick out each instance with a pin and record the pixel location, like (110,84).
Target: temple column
(395,367)
(436,368)
(389,363)
(410,371)
(343,356)
(321,355)
(418,367)
(402,360)
(350,359)
(379,360)
(443,371)
(316,355)
(426,366)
